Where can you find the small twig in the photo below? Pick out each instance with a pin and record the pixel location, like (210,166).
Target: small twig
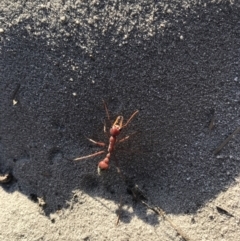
(160,212)
(224,211)
(119,211)
(226,141)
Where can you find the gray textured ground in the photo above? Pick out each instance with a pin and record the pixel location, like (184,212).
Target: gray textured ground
(177,62)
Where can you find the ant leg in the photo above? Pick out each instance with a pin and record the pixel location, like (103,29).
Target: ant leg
(105,129)
(127,137)
(85,157)
(108,117)
(131,117)
(97,142)
(106,109)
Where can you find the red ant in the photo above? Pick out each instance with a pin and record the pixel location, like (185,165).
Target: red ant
(114,132)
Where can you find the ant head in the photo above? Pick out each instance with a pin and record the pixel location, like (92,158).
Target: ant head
(117,126)
(115,130)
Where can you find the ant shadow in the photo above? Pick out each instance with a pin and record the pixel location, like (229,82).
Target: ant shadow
(175,81)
